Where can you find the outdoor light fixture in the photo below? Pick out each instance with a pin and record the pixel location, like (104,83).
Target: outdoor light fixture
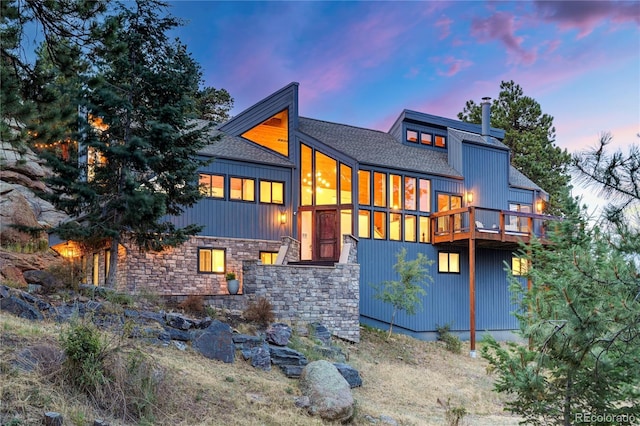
(283,218)
(469,197)
(539,205)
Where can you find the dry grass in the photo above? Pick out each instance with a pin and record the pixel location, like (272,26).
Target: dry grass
(403,378)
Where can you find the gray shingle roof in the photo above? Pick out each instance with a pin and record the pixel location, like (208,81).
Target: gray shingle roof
(476,138)
(377,148)
(516,178)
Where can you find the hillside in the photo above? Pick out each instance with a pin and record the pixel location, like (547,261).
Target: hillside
(403,379)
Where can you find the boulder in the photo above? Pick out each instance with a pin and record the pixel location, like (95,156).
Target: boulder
(179,322)
(286,356)
(215,342)
(329,393)
(279,334)
(20,308)
(43,278)
(261,357)
(320,332)
(13,275)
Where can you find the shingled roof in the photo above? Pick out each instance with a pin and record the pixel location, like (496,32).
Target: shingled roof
(517,179)
(376,148)
(476,138)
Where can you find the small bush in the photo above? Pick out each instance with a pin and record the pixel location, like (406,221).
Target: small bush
(453,415)
(193,304)
(260,311)
(452,342)
(68,273)
(85,349)
(119,298)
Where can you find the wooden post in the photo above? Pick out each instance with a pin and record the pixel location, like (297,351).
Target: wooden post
(472,297)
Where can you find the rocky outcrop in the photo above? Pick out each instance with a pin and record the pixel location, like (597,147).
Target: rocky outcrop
(21,179)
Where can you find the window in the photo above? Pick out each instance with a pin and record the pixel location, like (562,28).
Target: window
(364,224)
(412,136)
(519,266)
(211,260)
(326,180)
(425,229)
(441,141)
(95,272)
(379,189)
(425,138)
(448,202)
(425,195)
(268,257)
(409,193)
(395,226)
(380,225)
(518,223)
(395,192)
(242,189)
(271,192)
(306,171)
(107,263)
(410,228)
(364,187)
(212,185)
(448,262)
(345,184)
(273,133)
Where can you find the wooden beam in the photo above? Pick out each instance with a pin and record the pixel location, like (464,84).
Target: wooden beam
(472,297)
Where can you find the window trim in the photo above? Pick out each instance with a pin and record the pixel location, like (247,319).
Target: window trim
(447,270)
(271,182)
(243,179)
(209,192)
(211,249)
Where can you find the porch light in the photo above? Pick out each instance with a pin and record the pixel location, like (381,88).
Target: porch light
(469,197)
(539,205)
(283,218)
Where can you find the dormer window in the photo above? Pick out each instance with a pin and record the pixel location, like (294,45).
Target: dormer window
(425,138)
(441,141)
(412,136)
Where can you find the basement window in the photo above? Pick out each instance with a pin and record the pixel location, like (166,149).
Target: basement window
(211,260)
(268,257)
(448,262)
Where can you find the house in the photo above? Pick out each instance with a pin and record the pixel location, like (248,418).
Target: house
(309,213)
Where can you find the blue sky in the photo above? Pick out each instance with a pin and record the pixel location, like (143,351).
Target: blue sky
(362,63)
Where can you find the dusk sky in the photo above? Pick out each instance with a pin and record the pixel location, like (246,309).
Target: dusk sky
(362,63)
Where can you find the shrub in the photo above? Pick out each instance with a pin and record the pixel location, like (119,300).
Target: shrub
(260,311)
(452,342)
(68,273)
(85,349)
(453,415)
(193,304)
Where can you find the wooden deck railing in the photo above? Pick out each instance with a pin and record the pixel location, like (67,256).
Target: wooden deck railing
(487,224)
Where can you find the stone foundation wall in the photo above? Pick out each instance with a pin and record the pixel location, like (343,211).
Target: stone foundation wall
(174,272)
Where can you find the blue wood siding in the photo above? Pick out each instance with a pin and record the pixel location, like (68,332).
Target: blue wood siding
(447,299)
(486,174)
(521,196)
(240,219)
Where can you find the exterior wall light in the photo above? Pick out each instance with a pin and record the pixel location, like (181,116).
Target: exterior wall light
(469,197)
(283,218)
(539,205)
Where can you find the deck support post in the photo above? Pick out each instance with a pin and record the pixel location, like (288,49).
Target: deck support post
(472,297)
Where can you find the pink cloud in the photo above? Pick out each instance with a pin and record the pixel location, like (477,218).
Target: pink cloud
(444,27)
(454,66)
(502,27)
(585,16)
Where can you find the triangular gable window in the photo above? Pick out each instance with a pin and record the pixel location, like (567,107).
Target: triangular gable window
(272,133)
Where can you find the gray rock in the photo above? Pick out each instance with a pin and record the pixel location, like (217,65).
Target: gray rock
(179,345)
(351,375)
(292,371)
(4,291)
(51,418)
(279,334)
(302,401)
(387,420)
(286,356)
(215,342)
(20,308)
(329,393)
(261,357)
(100,422)
(320,332)
(178,321)
(174,334)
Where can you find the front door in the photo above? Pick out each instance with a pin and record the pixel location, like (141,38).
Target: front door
(326,241)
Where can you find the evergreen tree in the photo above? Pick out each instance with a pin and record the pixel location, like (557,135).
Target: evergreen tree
(138,148)
(531,136)
(582,314)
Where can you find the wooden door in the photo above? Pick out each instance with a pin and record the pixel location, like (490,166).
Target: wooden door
(326,235)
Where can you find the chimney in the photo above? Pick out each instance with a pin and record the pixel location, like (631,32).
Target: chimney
(486,116)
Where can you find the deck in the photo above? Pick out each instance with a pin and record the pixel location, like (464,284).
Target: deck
(491,228)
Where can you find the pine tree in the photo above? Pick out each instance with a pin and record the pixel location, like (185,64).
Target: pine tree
(138,147)
(531,136)
(582,314)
